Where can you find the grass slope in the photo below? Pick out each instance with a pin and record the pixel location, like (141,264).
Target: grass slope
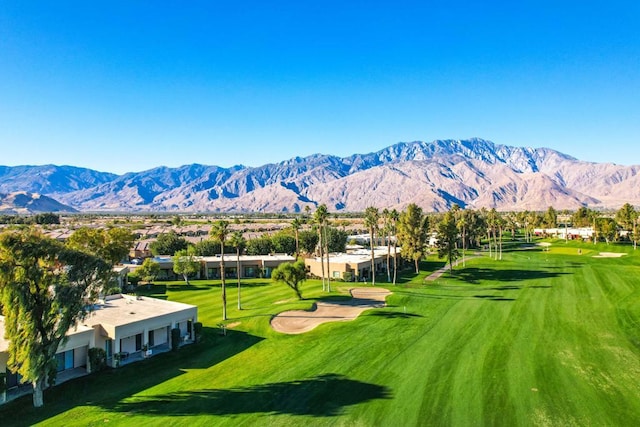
(538,338)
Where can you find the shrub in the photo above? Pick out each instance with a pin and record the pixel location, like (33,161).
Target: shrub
(97,359)
(197,329)
(175,339)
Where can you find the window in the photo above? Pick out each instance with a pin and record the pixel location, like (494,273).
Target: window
(108,348)
(336,274)
(138,342)
(151,339)
(64,360)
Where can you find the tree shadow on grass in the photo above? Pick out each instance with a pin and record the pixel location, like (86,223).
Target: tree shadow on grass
(109,387)
(322,396)
(393,314)
(476,275)
(493,298)
(189,287)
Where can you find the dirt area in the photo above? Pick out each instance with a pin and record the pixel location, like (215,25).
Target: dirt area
(300,321)
(609,255)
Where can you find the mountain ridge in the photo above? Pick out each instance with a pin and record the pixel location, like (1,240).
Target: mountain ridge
(472,172)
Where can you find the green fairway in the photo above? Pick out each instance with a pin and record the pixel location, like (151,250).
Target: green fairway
(542,337)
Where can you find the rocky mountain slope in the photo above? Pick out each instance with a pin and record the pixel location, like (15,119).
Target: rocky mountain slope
(475,173)
(50,179)
(22,202)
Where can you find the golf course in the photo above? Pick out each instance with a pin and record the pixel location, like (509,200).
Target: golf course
(547,336)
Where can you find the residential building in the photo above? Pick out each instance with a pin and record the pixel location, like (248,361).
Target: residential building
(355,265)
(128,328)
(251,266)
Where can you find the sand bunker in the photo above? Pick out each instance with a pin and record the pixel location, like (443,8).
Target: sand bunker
(300,321)
(609,255)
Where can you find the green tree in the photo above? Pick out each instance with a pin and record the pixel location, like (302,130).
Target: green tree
(447,236)
(284,243)
(627,217)
(413,228)
(608,229)
(238,241)
(43,288)
(149,270)
(185,263)
(581,217)
(371,218)
(207,247)
(336,239)
(46,218)
(168,244)
(112,245)
(308,241)
(292,274)
(220,231)
(260,246)
(551,218)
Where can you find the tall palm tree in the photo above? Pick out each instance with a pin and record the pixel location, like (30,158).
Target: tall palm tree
(386,227)
(327,253)
(220,231)
(462,226)
(394,216)
(296,225)
(595,215)
(371,217)
(320,217)
(238,241)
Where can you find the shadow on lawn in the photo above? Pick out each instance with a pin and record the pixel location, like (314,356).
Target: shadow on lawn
(321,396)
(457,297)
(393,314)
(109,388)
(476,275)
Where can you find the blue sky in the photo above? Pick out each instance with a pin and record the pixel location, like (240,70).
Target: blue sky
(127,86)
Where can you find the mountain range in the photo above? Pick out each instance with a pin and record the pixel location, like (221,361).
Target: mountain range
(473,173)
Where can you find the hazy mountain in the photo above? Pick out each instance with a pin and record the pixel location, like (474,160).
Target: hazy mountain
(50,179)
(475,173)
(22,202)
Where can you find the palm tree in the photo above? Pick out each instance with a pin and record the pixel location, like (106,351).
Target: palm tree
(394,216)
(320,217)
(238,241)
(296,224)
(371,217)
(386,227)
(462,225)
(595,215)
(219,231)
(328,253)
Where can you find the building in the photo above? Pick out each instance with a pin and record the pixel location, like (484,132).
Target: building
(355,265)
(251,266)
(128,328)
(570,233)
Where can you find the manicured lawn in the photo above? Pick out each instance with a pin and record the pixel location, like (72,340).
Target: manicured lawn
(539,338)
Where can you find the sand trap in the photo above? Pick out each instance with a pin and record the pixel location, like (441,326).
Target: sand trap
(300,321)
(609,255)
